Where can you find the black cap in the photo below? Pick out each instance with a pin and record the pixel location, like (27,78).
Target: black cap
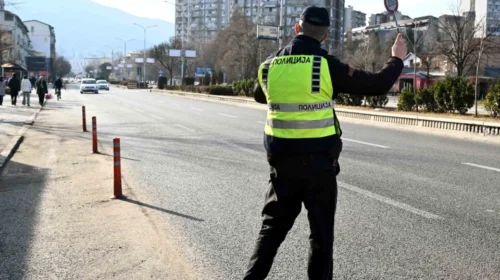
(316,16)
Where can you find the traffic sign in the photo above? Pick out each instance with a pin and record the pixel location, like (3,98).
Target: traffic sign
(160,73)
(391,6)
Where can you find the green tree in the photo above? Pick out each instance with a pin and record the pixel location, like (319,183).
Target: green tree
(160,53)
(492,104)
(104,72)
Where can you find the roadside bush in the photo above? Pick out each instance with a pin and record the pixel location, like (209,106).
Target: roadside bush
(169,87)
(244,87)
(461,93)
(406,100)
(124,83)
(425,100)
(162,82)
(442,97)
(221,90)
(492,102)
(377,101)
(348,99)
(114,82)
(189,81)
(206,80)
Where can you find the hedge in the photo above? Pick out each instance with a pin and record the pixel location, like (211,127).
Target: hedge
(492,103)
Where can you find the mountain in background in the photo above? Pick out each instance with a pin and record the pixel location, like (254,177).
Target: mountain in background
(83,27)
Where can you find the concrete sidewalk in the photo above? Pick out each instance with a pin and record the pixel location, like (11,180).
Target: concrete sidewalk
(57,219)
(14,120)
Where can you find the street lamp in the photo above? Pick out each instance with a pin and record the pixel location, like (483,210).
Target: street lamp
(112,53)
(125,51)
(184,29)
(145,28)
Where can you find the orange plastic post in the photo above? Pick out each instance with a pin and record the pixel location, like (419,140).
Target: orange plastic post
(117,169)
(84,119)
(94,135)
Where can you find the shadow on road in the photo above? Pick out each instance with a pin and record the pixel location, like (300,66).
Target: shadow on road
(21,187)
(161,209)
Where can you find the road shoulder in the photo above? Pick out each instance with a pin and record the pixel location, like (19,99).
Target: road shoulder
(59,222)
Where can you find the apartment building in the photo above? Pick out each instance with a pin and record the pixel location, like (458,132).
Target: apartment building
(202,19)
(43,41)
(353,19)
(487,15)
(15,40)
(385,17)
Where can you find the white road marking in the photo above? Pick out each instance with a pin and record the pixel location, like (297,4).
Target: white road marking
(139,110)
(261,122)
(127,105)
(185,128)
(389,201)
(197,109)
(364,143)
(226,115)
(175,104)
(482,166)
(156,117)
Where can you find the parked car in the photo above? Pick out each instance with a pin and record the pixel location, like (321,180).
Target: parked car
(89,85)
(102,84)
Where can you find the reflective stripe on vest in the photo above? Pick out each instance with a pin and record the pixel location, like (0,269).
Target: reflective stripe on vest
(283,107)
(301,124)
(299,93)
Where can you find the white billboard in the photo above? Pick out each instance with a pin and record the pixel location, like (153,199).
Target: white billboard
(130,65)
(190,53)
(267,32)
(150,60)
(174,53)
(41,44)
(139,60)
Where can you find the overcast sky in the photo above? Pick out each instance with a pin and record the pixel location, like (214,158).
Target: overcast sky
(158,9)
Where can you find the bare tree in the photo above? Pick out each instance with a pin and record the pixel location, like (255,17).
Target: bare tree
(459,42)
(160,53)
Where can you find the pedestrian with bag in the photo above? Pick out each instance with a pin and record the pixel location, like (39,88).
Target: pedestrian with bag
(3,86)
(41,89)
(15,88)
(302,138)
(26,89)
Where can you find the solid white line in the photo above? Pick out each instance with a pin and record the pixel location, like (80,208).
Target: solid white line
(261,122)
(184,127)
(482,166)
(139,110)
(156,117)
(196,109)
(226,115)
(389,201)
(364,143)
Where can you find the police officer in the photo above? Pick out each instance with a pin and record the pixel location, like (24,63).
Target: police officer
(302,138)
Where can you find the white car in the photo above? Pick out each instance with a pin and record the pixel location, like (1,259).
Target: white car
(89,85)
(102,84)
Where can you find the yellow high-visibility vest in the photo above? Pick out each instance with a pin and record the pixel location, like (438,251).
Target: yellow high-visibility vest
(299,92)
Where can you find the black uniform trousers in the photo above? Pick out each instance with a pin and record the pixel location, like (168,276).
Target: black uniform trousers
(308,179)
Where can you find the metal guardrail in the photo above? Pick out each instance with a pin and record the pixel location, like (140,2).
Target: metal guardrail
(477,127)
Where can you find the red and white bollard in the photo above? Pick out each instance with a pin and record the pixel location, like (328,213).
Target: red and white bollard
(84,120)
(117,190)
(94,135)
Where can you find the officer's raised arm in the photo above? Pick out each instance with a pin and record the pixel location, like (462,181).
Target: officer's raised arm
(359,82)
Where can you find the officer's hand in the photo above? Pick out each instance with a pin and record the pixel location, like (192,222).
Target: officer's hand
(399,48)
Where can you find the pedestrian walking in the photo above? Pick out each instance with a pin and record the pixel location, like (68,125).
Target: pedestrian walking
(302,138)
(3,85)
(41,89)
(15,87)
(26,89)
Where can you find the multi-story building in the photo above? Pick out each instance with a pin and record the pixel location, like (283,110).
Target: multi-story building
(43,42)
(425,28)
(201,19)
(14,38)
(386,17)
(353,19)
(487,15)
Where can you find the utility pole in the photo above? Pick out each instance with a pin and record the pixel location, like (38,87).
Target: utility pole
(477,71)
(125,50)
(145,28)
(280,28)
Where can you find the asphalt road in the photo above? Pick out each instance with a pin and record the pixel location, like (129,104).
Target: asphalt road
(411,206)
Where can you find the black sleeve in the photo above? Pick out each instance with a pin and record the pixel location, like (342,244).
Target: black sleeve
(359,82)
(258,94)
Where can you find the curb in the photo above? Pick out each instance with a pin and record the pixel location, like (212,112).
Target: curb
(14,144)
(470,126)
